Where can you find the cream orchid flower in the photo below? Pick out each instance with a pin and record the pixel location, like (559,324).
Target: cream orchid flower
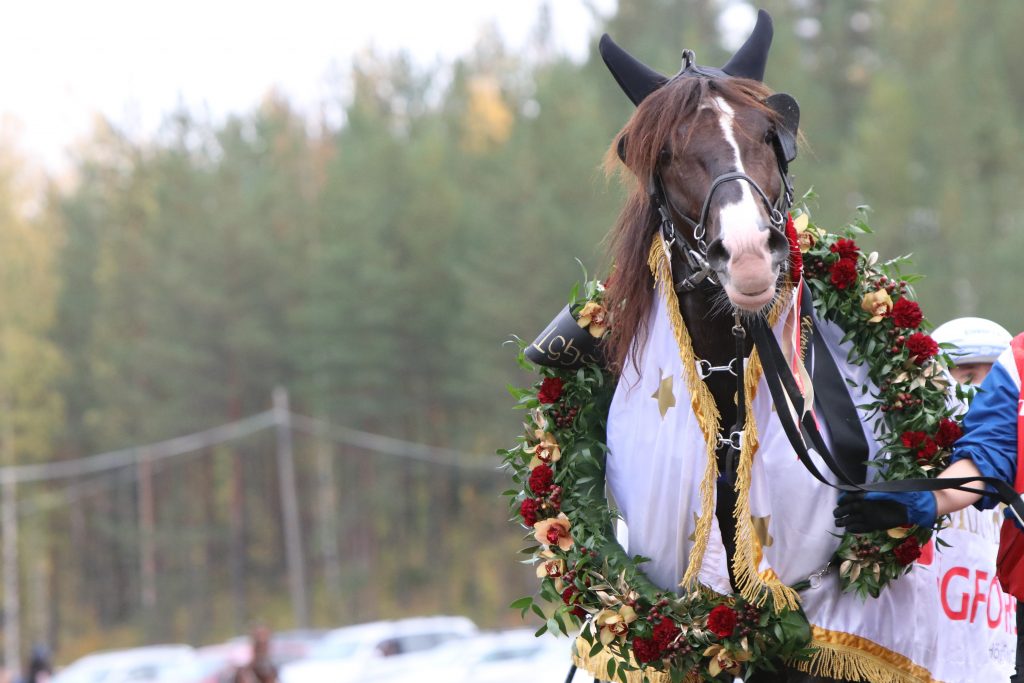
(614,624)
(554,531)
(593,318)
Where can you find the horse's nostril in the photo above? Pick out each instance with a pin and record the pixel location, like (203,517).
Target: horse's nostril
(718,256)
(778,244)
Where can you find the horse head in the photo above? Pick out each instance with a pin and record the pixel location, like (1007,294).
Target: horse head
(711,149)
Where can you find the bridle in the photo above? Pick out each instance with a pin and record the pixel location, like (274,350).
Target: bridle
(695,259)
(698,270)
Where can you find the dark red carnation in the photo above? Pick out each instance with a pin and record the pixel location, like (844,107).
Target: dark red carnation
(908,551)
(646,650)
(843,273)
(912,439)
(927,450)
(948,432)
(550,390)
(528,511)
(569,598)
(541,479)
(847,249)
(722,621)
(796,259)
(651,649)
(921,347)
(906,313)
(665,632)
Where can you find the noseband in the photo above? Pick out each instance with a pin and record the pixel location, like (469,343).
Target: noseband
(696,259)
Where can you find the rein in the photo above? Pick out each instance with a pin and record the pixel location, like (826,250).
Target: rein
(788,399)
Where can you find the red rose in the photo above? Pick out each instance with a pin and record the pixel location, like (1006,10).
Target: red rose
(948,432)
(541,479)
(847,249)
(528,511)
(906,313)
(921,347)
(843,273)
(796,259)
(927,451)
(908,551)
(722,621)
(550,390)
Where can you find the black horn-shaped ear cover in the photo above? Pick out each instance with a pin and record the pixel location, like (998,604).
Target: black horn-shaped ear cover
(635,78)
(750,60)
(789,121)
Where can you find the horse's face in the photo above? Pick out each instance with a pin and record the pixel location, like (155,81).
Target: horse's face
(746,252)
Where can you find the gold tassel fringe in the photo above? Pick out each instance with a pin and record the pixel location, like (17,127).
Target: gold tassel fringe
(703,404)
(753,586)
(844,662)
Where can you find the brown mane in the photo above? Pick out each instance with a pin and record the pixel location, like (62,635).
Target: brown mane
(656,123)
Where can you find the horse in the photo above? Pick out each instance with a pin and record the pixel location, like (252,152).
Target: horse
(685,137)
(709,150)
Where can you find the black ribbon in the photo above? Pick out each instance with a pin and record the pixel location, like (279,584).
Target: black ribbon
(782,386)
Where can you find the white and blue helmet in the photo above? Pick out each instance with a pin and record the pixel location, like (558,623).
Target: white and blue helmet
(977,340)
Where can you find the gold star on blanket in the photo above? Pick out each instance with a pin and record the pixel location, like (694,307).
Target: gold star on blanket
(693,536)
(666,398)
(761,529)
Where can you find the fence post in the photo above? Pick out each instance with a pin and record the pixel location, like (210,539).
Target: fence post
(147,536)
(290,508)
(12,605)
(328,509)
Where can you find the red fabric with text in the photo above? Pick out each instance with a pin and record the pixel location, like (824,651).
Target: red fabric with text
(1010,561)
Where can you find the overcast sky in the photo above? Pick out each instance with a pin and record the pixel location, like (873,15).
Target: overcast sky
(135,60)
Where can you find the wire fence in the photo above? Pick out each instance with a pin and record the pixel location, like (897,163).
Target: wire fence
(278,517)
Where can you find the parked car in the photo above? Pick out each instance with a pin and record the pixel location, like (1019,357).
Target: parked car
(502,657)
(349,654)
(156,664)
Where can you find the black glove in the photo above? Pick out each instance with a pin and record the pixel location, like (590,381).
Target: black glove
(861,512)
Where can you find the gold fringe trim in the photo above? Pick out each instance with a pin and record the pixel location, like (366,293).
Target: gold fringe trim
(753,586)
(597,666)
(704,408)
(846,656)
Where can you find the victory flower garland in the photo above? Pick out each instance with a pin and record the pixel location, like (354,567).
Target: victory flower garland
(874,305)
(558,470)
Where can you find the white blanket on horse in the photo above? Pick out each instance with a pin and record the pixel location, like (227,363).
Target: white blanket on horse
(945,621)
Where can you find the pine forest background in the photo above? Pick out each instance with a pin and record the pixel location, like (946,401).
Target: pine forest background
(375,267)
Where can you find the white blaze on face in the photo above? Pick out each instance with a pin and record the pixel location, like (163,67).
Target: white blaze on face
(750,277)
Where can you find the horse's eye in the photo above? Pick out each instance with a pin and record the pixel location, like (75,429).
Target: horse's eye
(769,136)
(665,155)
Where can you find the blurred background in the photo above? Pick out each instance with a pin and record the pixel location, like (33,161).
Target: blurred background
(258,262)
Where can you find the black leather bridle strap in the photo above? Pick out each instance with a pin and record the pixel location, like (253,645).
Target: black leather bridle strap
(773,211)
(781,385)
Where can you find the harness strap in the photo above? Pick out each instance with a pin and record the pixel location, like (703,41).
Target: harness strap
(734,442)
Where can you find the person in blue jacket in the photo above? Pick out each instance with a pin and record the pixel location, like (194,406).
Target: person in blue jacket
(988,446)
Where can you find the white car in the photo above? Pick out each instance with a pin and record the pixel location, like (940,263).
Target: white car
(157,664)
(353,653)
(502,657)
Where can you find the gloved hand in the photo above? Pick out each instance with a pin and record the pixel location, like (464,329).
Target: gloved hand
(877,511)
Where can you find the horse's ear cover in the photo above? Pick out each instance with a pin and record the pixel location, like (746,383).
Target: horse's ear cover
(635,78)
(750,60)
(789,118)
(638,80)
